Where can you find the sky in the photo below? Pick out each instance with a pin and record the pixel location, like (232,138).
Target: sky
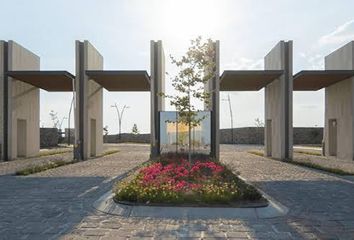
(121,31)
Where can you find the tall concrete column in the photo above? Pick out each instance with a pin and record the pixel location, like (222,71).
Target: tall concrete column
(19,103)
(339,106)
(157,86)
(89,103)
(278,103)
(3,102)
(213,87)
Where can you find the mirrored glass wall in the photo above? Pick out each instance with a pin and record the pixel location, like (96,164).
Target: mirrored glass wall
(174,135)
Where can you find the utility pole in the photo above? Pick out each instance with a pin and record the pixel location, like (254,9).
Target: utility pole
(231,117)
(69,118)
(120,116)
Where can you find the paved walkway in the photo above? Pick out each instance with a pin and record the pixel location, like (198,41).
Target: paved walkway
(56,204)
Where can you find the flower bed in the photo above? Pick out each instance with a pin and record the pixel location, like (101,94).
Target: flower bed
(179,182)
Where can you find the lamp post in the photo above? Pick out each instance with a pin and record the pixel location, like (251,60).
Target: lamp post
(228,99)
(120,116)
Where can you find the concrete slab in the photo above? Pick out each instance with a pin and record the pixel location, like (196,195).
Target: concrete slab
(107,205)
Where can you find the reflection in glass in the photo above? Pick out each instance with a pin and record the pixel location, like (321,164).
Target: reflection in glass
(174,135)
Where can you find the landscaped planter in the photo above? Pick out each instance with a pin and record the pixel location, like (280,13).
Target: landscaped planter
(176,182)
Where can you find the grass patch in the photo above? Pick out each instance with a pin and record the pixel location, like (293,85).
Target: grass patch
(319,167)
(177,182)
(313,153)
(52,152)
(109,152)
(42,167)
(308,164)
(256,152)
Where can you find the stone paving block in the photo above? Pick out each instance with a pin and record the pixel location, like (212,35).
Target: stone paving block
(53,206)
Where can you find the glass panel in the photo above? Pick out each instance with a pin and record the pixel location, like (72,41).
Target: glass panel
(168,132)
(174,136)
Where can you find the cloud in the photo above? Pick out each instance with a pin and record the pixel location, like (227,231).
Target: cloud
(340,35)
(244,64)
(331,41)
(314,61)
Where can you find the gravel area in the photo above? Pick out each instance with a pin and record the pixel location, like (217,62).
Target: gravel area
(57,204)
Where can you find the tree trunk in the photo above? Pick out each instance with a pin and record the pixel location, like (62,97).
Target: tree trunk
(190,144)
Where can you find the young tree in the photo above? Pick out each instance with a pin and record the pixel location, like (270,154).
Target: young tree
(258,122)
(55,119)
(105,130)
(135,129)
(195,69)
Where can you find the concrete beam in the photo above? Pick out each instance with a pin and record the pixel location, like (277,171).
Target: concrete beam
(278,103)
(157,85)
(89,103)
(19,111)
(339,106)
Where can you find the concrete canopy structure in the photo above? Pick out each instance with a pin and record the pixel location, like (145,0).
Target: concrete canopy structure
(20,81)
(278,103)
(339,106)
(51,81)
(337,79)
(89,101)
(91,79)
(247,80)
(316,80)
(121,80)
(277,81)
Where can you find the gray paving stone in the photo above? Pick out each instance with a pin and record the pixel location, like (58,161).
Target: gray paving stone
(57,204)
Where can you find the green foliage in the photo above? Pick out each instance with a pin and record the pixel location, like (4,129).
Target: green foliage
(54,117)
(224,188)
(135,129)
(196,69)
(309,164)
(323,168)
(109,152)
(43,167)
(256,152)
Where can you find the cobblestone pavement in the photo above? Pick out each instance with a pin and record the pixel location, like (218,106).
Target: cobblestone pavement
(10,167)
(57,204)
(64,154)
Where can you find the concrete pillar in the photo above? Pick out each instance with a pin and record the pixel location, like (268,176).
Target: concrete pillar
(19,134)
(278,103)
(157,85)
(339,106)
(213,87)
(89,103)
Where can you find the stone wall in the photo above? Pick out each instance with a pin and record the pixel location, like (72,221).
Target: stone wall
(49,137)
(255,135)
(247,135)
(66,135)
(308,135)
(127,137)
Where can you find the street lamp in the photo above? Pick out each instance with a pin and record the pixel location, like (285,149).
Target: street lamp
(228,99)
(120,116)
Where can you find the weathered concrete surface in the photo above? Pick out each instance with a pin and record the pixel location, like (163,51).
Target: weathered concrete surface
(339,103)
(89,101)
(56,204)
(22,102)
(157,86)
(278,103)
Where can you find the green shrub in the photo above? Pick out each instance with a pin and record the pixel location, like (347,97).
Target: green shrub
(43,167)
